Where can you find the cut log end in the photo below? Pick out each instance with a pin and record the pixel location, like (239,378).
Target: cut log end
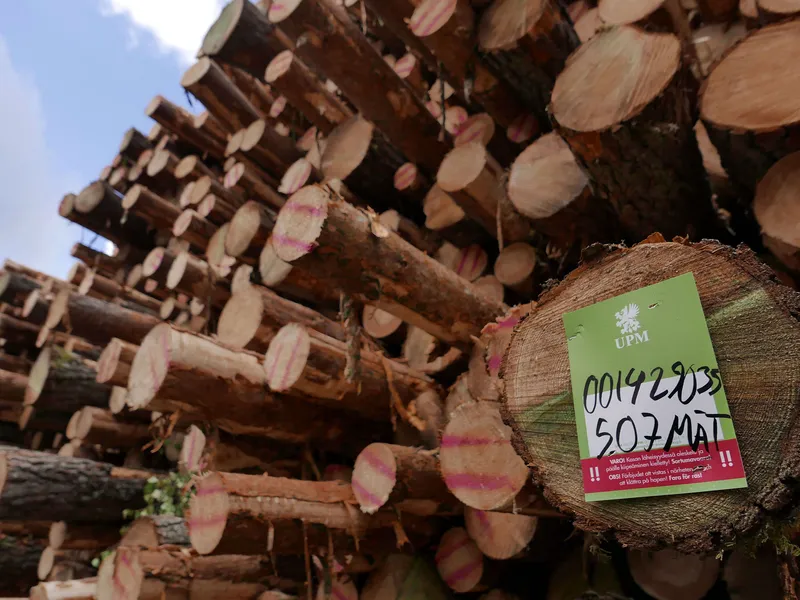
(523,128)
(479,464)
(749,90)
(196,72)
(478,128)
(459,561)
(149,368)
(622,12)
(379,323)
(670,574)
(243,228)
(461,166)
(233,175)
(515,264)
(46,562)
(241,318)
(278,66)
(498,535)
(286,357)
(612,77)
(58,308)
(300,223)
(296,177)
(441,211)
(208,513)
(505,22)
(194,444)
(346,147)
(118,400)
(57,534)
(490,286)
(430,16)
(374,477)
(469,262)
(279,11)
(38,376)
(406,176)
(271,267)
(775,206)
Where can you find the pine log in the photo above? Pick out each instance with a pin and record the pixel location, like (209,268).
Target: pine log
(192,168)
(499,536)
(776,210)
(253,316)
(732,286)
(528,43)
(208,82)
(36,486)
(64,565)
(133,144)
(449,31)
(78,589)
(382,98)
(302,362)
(426,240)
(81,536)
(470,168)
(674,199)
(269,150)
(514,268)
(652,15)
(155,531)
(16,287)
(208,124)
(249,229)
(99,321)
(226,502)
(18,564)
(316,230)
(291,78)
(459,561)
(255,183)
(209,185)
(390,474)
(772,11)
(179,369)
(14,364)
(547,185)
(99,426)
(193,228)
(114,363)
(108,289)
(179,122)
(760,126)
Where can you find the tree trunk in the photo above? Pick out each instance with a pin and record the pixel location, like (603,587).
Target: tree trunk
(751,133)
(193,228)
(16,287)
(151,207)
(133,144)
(107,266)
(82,536)
(335,242)
(179,122)
(99,426)
(246,176)
(309,364)
(152,532)
(269,150)
(64,565)
(305,92)
(673,198)
(742,303)
(174,369)
(37,486)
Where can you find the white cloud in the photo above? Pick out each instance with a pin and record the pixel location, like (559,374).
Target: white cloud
(31,231)
(176,25)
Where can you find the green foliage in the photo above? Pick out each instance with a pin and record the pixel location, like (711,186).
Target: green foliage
(164,496)
(101,557)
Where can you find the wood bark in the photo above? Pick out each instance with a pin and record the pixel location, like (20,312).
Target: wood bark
(175,369)
(19,561)
(37,486)
(14,364)
(133,144)
(208,83)
(111,291)
(337,47)
(64,384)
(193,228)
(81,536)
(16,287)
(402,280)
(291,78)
(155,531)
(253,316)
(732,285)
(227,497)
(180,123)
(107,266)
(674,197)
(269,150)
(750,132)
(99,426)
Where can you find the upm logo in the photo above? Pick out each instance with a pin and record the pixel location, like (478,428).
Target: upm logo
(629,327)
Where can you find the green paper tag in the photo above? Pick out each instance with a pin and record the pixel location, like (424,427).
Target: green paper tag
(650,406)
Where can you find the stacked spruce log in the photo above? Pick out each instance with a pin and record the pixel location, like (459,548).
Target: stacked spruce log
(328,307)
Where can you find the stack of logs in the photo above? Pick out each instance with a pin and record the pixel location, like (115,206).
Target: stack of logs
(308,313)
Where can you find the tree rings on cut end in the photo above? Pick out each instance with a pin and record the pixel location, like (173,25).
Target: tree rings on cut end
(430,16)
(515,264)
(374,477)
(404,66)
(150,366)
(38,376)
(286,357)
(454,119)
(545,178)
(120,576)
(90,197)
(109,360)
(499,535)
(308,140)
(523,128)
(461,166)
(378,323)
(624,12)
(506,22)
(346,147)
(30,303)
(776,205)
(240,318)
(296,176)
(613,77)
(479,465)
(152,261)
(780,8)
(208,513)
(299,223)
(278,106)
(671,575)
(243,228)
(749,89)
(459,561)
(192,450)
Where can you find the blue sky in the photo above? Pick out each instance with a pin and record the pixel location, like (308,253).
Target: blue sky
(73,77)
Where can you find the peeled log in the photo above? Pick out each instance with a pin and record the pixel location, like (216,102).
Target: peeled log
(389,474)
(528,43)
(335,242)
(742,303)
(609,133)
(38,486)
(179,369)
(303,362)
(547,185)
(748,103)
(776,208)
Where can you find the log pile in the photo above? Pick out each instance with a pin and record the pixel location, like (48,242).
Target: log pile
(326,357)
